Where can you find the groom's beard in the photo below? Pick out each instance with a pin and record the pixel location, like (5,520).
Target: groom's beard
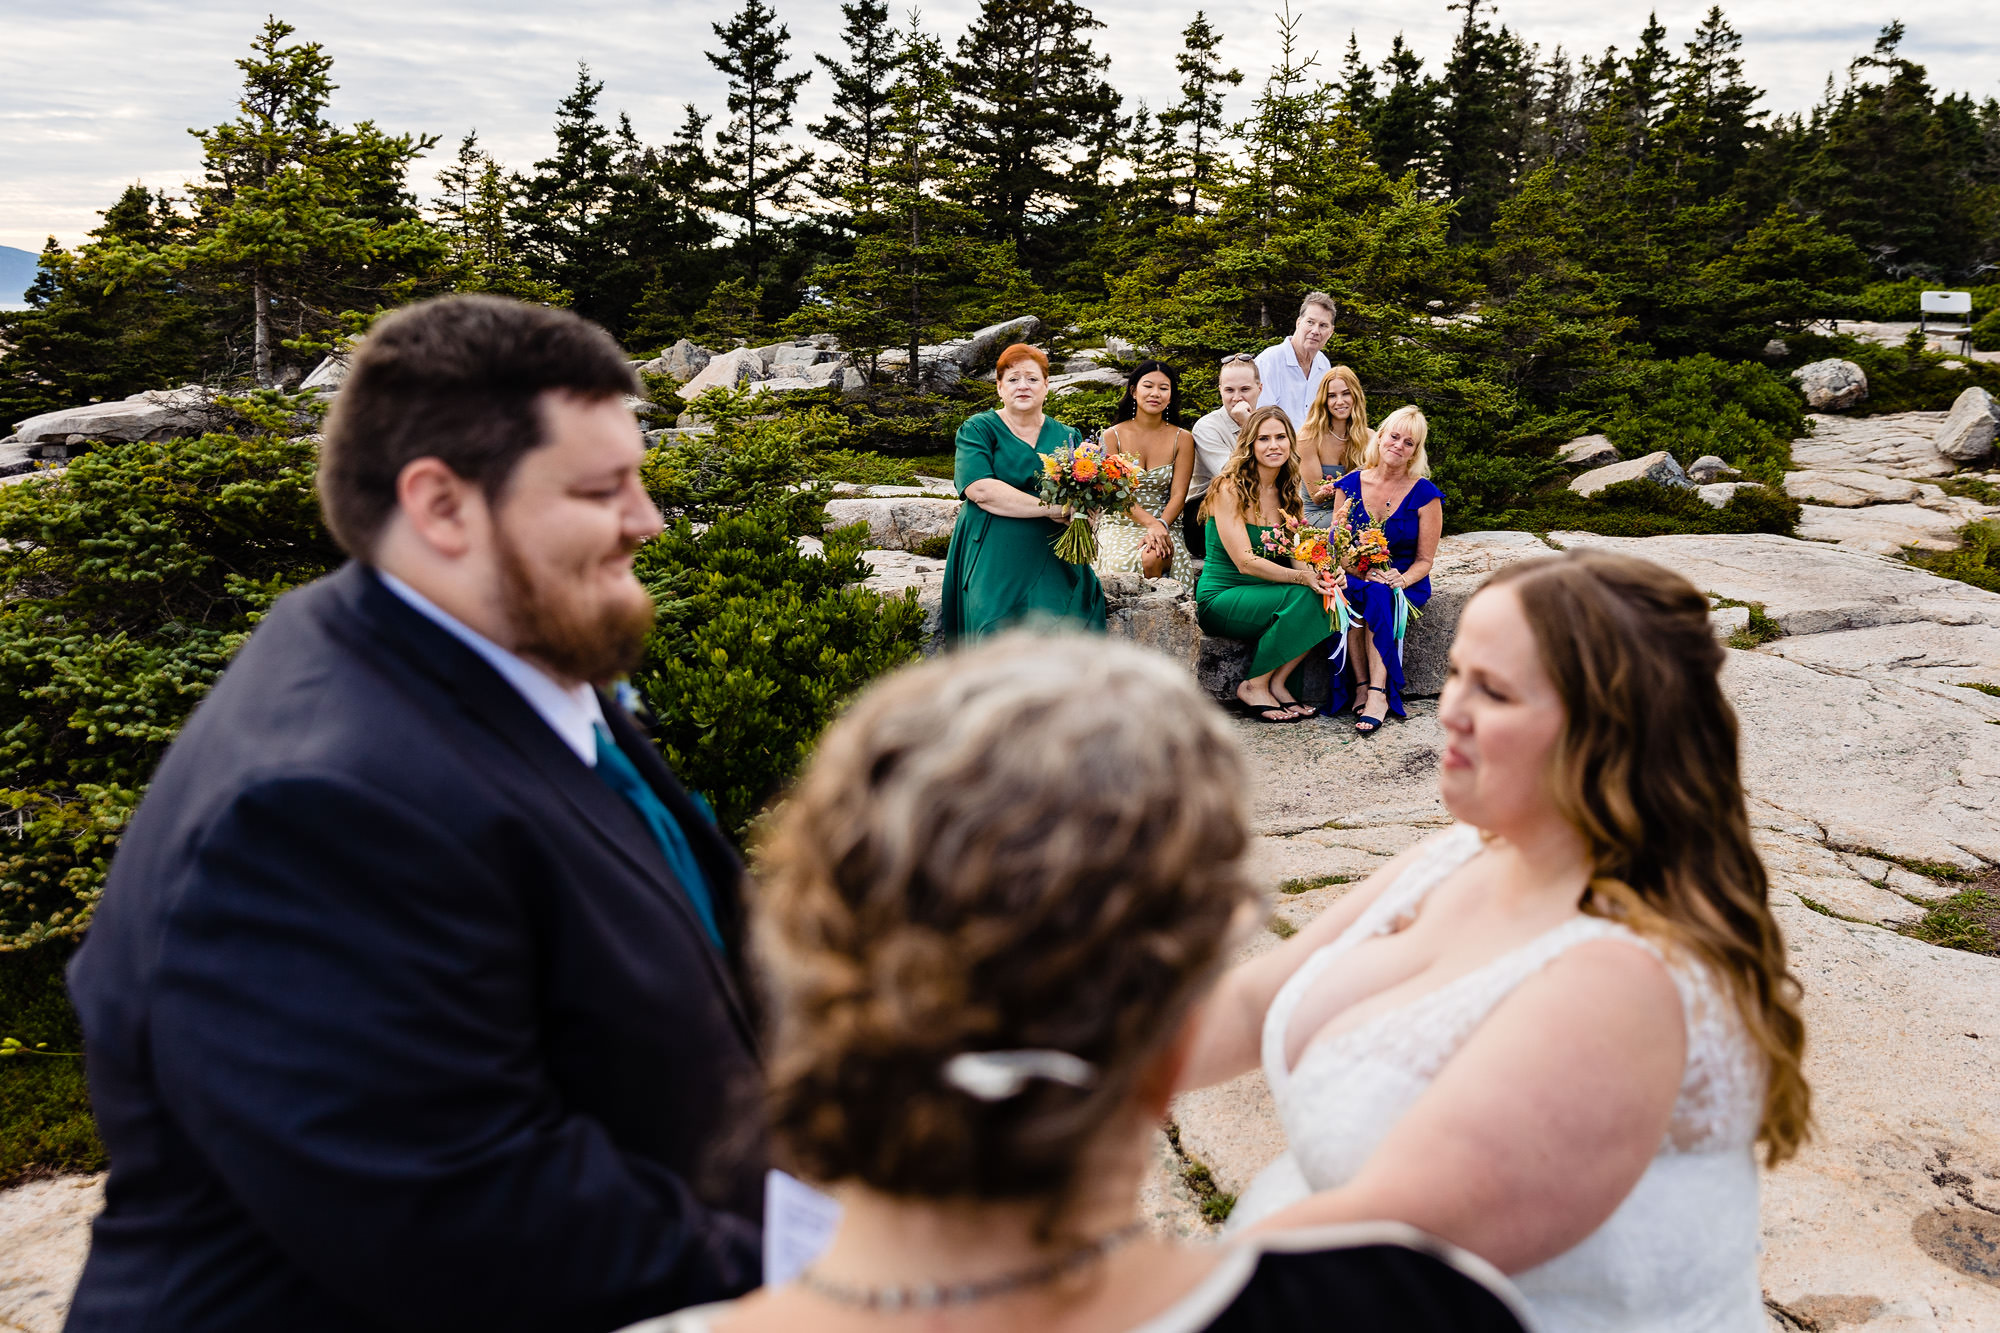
(592,640)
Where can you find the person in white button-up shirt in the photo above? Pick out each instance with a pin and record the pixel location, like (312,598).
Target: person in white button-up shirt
(1292,367)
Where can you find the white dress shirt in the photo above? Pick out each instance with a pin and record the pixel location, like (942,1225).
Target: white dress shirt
(572,714)
(1214,440)
(1285,385)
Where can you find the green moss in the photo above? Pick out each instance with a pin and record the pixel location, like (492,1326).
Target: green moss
(1307,883)
(1215,1204)
(1971,488)
(1816,905)
(1981,686)
(1968,920)
(935,547)
(1942,871)
(1282,928)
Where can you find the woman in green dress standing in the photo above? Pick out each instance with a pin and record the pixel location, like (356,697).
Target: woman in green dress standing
(1280,609)
(1002,568)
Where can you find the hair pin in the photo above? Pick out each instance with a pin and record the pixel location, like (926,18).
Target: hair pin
(994,1076)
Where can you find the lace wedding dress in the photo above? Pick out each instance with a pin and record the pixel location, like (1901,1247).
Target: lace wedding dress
(1679,1255)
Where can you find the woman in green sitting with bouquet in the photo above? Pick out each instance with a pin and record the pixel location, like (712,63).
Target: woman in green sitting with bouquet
(1242,594)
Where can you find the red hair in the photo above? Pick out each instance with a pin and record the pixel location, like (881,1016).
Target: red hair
(1021,352)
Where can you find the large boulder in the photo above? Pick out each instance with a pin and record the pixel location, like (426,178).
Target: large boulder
(1655,467)
(1154,613)
(1101,377)
(156,414)
(730,370)
(1718,494)
(1832,385)
(683,361)
(794,358)
(327,376)
(1967,433)
(1708,468)
(984,347)
(898,523)
(1885,529)
(1589,451)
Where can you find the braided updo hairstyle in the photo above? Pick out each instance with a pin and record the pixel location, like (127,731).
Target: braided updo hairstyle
(1032,844)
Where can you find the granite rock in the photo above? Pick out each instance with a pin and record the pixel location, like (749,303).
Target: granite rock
(156,414)
(899,523)
(1968,430)
(1902,444)
(728,370)
(683,361)
(1718,494)
(1658,467)
(1589,451)
(1850,489)
(1832,385)
(1708,468)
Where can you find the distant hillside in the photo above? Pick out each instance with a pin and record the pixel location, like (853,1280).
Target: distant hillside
(17,270)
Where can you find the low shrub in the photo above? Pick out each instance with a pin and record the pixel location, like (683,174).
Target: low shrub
(1976,561)
(1986,333)
(1088,409)
(1743,413)
(1647,509)
(1894,302)
(45,1124)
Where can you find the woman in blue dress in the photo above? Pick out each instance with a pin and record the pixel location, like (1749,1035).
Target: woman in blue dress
(1396,484)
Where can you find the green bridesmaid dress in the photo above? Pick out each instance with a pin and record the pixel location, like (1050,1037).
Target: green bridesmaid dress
(1003,571)
(1283,620)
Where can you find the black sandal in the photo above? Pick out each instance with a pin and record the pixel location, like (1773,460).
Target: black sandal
(1367,725)
(1292,706)
(1256,712)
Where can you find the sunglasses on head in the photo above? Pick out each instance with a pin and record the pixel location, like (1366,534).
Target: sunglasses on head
(1239,359)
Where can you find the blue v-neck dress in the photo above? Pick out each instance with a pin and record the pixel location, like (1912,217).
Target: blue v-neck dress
(1376,602)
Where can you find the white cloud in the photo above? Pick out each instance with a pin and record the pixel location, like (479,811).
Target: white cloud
(95,94)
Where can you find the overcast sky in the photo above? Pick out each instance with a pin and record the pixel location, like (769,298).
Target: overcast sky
(95,94)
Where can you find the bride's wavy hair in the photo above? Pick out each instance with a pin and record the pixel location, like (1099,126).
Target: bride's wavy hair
(1647,769)
(1240,472)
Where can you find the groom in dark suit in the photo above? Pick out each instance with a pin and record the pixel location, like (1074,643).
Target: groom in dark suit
(415,998)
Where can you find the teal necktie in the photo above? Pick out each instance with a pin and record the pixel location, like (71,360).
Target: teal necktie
(621,776)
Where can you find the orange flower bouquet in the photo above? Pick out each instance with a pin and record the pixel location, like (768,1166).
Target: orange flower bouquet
(1087,480)
(1367,550)
(1316,549)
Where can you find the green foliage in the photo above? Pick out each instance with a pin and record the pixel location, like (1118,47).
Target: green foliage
(1089,409)
(1972,488)
(1986,333)
(1760,629)
(1898,302)
(758,171)
(1645,509)
(862,469)
(126,585)
(45,1123)
(757,644)
(1976,561)
(1900,379)
(733,316)
(1743,413)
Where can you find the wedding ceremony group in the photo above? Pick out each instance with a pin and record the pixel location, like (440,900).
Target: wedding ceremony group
(1312,528)
(422,993)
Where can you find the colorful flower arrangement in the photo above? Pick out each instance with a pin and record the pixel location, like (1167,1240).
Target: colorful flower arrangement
(1087,480)
(1368,550)
(1316,549)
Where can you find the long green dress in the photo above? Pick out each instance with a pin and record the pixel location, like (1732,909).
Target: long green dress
(1283,620)
(1002,571)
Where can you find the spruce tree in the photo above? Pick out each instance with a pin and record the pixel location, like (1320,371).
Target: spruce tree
(1199,112)
(474,201)
(861,89)
(1473,166)
(1404,125)
(758,168)
(1711,120)
(1031,91)
(307,229)
(1357,82)
(925,269)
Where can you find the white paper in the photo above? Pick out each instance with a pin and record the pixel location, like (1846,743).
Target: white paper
(798,1223)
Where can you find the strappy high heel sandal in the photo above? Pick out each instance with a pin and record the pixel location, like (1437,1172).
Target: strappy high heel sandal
(1366,724)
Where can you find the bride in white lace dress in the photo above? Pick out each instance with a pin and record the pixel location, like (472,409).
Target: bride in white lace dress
(1555,1033)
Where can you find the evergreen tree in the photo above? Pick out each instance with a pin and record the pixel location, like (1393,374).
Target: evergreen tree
(1031,91)
(1711,122)
(861,89)
(1357,83)
(1881,170)
(759,168)
(1403,125)
(925,269)
(1199,112)
(89,336)
(305,228)
(475,199)
(1473,166)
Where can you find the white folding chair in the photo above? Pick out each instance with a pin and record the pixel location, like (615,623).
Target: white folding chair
(1957,304)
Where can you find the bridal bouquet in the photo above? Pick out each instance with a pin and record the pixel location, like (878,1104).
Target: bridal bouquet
(1088,481)
(1368,550)
(1317,549)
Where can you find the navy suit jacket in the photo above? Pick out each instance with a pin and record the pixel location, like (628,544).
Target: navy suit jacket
(395,1017)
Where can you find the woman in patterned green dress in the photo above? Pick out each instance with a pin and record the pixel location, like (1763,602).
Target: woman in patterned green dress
(1147,538)
(1278,608)
(1002,568)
